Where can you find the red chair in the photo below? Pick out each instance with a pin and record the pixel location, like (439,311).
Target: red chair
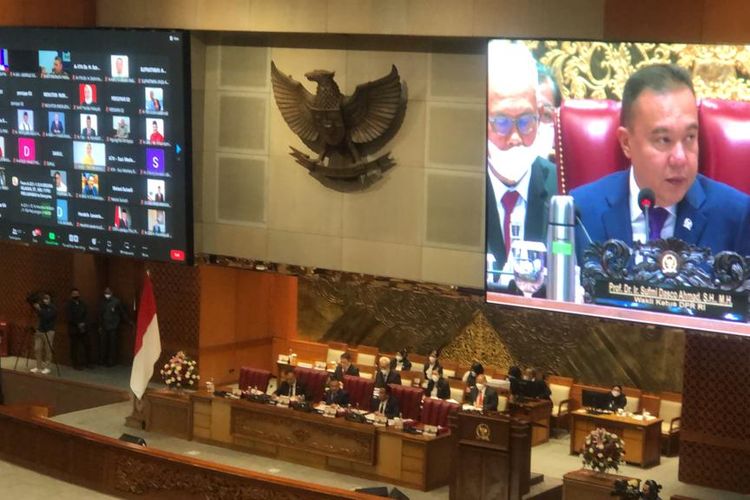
(254,377)
(587,147)
(313,380)
(436,411)
(360,391)
(725,141)
(409,400)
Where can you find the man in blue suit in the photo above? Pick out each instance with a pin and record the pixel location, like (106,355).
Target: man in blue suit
(659,134)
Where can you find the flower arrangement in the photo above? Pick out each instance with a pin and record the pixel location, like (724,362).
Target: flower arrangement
(180,371)
(603,450)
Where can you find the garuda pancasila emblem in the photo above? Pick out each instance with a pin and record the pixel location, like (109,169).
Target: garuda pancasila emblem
(343,130)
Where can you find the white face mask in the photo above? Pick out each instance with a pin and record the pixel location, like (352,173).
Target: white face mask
(545,139)
(513,163)
(399,357)
(616,394)
(107,296)
(435,378)
(432,360)
(473,373)
(480,387)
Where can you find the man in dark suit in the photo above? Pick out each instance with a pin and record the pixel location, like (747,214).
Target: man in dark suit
(438,386)
(385,375)
(335,395)
(345,367)
(482,396)
(385,403)
(290,386)
(88,131)
(519,183)
(659,134)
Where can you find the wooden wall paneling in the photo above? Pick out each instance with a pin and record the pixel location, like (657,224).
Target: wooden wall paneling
(73,13)
(726,21)
(644,20)
(714,436)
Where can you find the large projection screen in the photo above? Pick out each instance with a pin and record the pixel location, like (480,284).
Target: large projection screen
(556,126)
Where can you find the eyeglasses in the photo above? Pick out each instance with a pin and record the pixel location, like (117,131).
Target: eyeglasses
(503,124)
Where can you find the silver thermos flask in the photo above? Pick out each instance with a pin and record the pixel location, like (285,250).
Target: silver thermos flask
(561,245)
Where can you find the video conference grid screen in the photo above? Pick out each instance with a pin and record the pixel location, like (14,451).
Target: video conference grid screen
(529,82)
(94,141)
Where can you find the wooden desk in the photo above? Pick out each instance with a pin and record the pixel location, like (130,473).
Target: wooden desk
(539,413)
(584,484)
(169,413)
(412,460)
(641,437)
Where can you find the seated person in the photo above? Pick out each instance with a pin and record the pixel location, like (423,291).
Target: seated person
(534,385)
(659,135)
(345,367)
(470,377)
(290,386)
(482,396)
(514,377)
(401,363)
(615,399)
(437,386)
(335,395)
(432,364)
(385,375)
(385,404)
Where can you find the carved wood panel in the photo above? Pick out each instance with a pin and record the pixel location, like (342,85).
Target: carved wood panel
(285,427)
(715,437)
(393,314)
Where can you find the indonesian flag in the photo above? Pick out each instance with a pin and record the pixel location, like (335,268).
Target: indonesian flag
(147,341)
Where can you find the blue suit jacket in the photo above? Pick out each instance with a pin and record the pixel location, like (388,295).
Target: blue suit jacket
(711,214)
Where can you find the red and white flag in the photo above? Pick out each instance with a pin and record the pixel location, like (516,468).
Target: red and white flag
(147,341)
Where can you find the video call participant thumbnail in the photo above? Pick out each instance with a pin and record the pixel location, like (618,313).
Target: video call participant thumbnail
(87,94)
(155,131)
(60,177)
(90,185)
(120,68)
(659,132)
(56,123)
(121,127)
(154,99)
(25,120)
(88,126)
(519,182)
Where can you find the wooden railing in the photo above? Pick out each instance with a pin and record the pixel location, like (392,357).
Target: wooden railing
(126,470)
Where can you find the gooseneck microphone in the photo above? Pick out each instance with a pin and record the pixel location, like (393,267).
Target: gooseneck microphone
(646,201)
(579,221)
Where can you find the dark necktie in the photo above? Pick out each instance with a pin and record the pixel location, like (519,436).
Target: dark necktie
(656,219)
(508,201)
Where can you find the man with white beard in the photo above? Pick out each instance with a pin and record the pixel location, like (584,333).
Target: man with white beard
(519,182)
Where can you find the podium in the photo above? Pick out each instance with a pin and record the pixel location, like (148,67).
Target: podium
(493,457)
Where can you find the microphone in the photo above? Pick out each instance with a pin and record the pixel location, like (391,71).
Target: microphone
(646,200)
(579,221)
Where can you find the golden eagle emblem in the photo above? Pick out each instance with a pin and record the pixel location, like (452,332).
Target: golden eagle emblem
(343,130)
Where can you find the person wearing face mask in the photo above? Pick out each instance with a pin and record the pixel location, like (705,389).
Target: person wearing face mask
(515,377)
(44,335)
(470,377)
(111,314)
(386,403)
(432,365)
(79,341)
(519,182)
(616,399)
(345,367)
(385,375)
(401,362)
(482,396)
(438,387)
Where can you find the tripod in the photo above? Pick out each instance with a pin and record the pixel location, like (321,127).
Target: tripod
(28,347)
